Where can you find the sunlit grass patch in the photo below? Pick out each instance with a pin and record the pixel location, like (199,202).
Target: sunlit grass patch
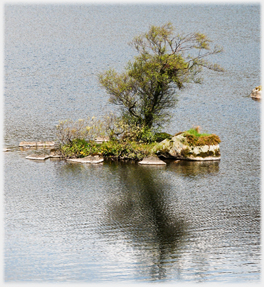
(195,138)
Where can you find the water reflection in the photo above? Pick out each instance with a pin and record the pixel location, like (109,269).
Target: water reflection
(194,168)
(141,210)
(75,170)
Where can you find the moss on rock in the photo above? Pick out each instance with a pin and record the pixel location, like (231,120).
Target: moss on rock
(190,145)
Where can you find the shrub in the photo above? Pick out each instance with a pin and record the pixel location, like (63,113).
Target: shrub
(159,137)
(112,149)
(109,126)
(88,129)
(79,148)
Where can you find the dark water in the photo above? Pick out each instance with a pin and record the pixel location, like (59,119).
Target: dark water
(186,222)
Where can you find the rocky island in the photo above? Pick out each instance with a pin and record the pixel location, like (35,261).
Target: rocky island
(188,145)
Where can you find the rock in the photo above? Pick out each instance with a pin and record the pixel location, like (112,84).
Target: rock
(38,156)
(55,155)
(37,144)
(27,144)
(101,139)
(6,149)
(178,148)
(256,93)
(87,159)
(154,160)
(46,144)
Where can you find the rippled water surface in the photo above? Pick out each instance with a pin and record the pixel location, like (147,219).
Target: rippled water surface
(185,222)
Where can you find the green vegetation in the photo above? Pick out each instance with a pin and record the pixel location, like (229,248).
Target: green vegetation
(196,132)
(78,139)
(166,61)
(145,93)
(111,149)
(159,137)
(194,138)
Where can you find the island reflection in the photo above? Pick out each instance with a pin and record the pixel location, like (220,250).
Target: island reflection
(194,168)
(142,211)
(139,214)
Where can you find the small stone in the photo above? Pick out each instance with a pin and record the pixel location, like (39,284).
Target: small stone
(101,139)
(37,156)
(27,144)
(256,93)
(6,149)
(199,158)
(46,144)
(153,160)
(87,159)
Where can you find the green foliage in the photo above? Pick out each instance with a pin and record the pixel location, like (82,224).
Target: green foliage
(110,149)
(143,135)
(146,91)
(159,137)
(133,132)
(80,148)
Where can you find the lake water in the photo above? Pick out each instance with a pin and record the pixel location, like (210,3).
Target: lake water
(121,222)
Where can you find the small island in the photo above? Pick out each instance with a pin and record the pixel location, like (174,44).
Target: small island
(145,94)
(188,145)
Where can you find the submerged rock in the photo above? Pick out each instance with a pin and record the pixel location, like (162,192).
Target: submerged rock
(87,159)
(256,93)
(37,144)
(178,148)
(38,156)
(154,160)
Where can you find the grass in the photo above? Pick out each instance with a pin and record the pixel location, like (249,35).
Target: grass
(195,133)
(194,138)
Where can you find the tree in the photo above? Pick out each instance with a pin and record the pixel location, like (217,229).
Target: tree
(146,91)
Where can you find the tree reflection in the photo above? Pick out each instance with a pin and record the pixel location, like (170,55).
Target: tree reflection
(143,211)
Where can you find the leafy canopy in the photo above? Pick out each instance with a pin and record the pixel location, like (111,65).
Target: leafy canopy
(146,90)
